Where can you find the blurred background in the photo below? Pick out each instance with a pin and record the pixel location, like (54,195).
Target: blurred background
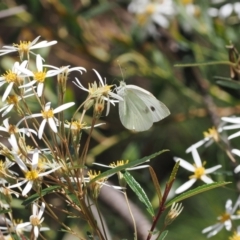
(141,42)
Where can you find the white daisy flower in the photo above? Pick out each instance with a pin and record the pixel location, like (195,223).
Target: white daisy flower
(13,129)
(40,76)
(31,175)
(12,77)
(149,13)
(13,100)
(25,47)
(235,124)
(101,92)
(225,220)
(48,117)
(210,136)
(197,168)
(35,221)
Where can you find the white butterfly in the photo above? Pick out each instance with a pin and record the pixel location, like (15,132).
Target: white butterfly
(139,108)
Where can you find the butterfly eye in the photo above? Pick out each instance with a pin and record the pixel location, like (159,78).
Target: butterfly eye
(152,108)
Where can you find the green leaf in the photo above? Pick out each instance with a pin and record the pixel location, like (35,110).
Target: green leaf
(156,184)
(136,187)
(98,10)
(15,236)
(163,235)
(36,196)
(5,211)
(229,83)
(174,172)
(195,191)
(125,166)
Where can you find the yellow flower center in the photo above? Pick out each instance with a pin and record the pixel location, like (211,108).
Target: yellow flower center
(47,114)
(96,91)
(12,99)
(212,133)
(35,221)
(77,125)
(150,9)
(10,76)
(199,171)
(23,46)
(40,76)
(235,236)
(224,217)
(31,175)
(12,129)
(119,163)
(186,2)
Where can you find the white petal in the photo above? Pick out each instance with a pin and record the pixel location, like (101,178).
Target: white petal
(185,186)
(197,145)
(39,63)
(63,107)
(99,77)
(36,231)
(228,225)
(48,172)
(47,106)
(230,127)
(27,188)
(20,163)
(5,123)
(212,169)
(43,44)
(40,89)
(22,225)
(237,169)
(41,210)
(185,164)
(35,159)
(17,184)
(41,128)
(226,10)
(206,179)
(34,209)
(236,151)
(10,107)
(196,157)
(231,119)
(237,134)
(7,91)
(52,124)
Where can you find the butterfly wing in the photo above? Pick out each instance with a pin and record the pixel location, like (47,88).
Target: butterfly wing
(156,108)
(133,112)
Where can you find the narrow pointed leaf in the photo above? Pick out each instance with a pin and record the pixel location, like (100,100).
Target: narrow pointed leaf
(35,196)
(174,172)
(123,167)
(195,191)
(163,235)
(142,196)
(228,83)
(156,184)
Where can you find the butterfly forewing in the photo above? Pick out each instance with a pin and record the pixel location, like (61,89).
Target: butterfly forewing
(157,108)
